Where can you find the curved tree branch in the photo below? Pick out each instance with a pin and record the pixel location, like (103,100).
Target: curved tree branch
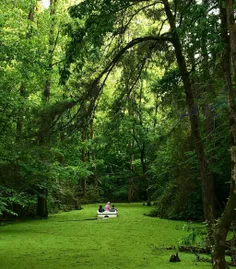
(131,44)
(94,88)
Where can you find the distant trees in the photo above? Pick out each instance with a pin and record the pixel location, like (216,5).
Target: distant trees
(36,171)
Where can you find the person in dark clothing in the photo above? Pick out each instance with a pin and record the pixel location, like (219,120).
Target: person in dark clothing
(100,209)
(113,209)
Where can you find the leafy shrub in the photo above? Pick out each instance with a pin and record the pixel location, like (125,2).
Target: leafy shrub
(13,203)
(179,201)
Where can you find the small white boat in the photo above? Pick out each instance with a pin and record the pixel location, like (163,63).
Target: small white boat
(106,215)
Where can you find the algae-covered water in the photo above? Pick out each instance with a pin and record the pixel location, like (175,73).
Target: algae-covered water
(77,240)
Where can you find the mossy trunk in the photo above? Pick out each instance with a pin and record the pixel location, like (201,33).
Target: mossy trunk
(218,251)
(222,229)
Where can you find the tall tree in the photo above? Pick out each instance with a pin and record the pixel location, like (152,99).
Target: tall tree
(228,59)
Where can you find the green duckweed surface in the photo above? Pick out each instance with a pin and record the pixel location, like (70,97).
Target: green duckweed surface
(77,240)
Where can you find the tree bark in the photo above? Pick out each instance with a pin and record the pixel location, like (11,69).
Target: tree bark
(142,148)
(209,116)
(228,57)
(42,209)
(130,181)
(44,129)
(83,158)
(51,43)
(206,177)
(94,175)
(19,123)
(131,150)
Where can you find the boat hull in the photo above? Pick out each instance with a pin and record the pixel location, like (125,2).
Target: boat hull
(107,215)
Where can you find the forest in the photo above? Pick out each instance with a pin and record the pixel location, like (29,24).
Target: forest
(128,101)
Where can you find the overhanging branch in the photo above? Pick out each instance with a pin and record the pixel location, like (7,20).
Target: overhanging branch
(94,89)
(131,44)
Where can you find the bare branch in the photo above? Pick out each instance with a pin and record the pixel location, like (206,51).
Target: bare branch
(162,25)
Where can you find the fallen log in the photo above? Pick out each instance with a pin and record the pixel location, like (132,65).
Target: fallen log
(193,249)
(198,250)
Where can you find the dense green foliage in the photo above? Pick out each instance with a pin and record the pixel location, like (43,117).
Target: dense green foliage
(87,118)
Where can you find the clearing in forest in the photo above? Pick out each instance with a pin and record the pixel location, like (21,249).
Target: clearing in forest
(77,240)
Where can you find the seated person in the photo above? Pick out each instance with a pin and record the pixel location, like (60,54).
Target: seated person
(107,206)
(113,209)
(100,209)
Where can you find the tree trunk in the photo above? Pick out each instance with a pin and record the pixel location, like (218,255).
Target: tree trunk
(206,176)
(19,123)
(92,137)
(142,148)
(156,111)
(209,116)
(94,176)
(229,214)
(130,182)
(83,158)
(218,251)
(51,43)
(222,228)
(42,209)
(42,197)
